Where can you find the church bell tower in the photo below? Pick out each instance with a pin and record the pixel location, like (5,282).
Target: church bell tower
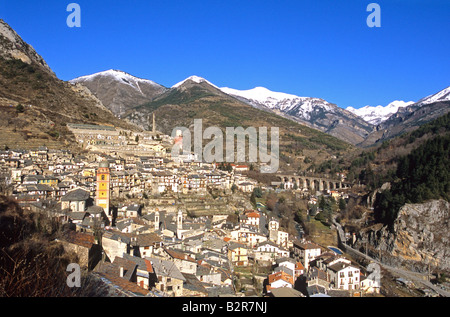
(103,193)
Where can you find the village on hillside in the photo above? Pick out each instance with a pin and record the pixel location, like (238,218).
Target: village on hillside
(148,224)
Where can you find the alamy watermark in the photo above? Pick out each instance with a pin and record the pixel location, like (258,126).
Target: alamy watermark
(74,278)
(374,18)
(375,273)
(74,18)
(213,151)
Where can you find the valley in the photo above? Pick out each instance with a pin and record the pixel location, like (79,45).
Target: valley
(89,167)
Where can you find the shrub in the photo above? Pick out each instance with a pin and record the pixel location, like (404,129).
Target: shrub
(20,108)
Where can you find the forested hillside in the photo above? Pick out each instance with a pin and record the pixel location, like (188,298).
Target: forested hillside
(420,176)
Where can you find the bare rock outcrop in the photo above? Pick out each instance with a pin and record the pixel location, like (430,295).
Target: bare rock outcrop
(420,238)
(13,47)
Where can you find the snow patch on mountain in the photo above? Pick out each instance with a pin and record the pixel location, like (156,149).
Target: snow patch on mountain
(195,79)
(443,95)
(116,74)
(379,114)
(119,76)
(260,96)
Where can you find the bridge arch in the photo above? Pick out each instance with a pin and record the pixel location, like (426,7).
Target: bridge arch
(311,182)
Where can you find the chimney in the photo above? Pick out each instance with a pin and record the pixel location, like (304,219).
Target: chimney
(156,221)
(121,271)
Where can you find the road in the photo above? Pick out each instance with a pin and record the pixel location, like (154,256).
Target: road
(401,272)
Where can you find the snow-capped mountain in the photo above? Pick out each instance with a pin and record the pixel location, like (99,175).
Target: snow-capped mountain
(314,112)
(410,117)
(287,103)
(194,79)
(443,95)
(120,91)
(120,76)
(378,114)
(264,96)
(300,107)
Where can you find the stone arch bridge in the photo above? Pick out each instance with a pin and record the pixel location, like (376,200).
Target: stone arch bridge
(312,182)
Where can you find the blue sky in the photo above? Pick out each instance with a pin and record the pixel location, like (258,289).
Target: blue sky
(320,48)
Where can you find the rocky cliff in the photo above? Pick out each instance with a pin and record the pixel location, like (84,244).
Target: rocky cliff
(47,103)
(13,47)
(420,238)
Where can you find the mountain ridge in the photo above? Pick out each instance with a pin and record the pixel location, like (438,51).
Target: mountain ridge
(356,126)
(119,91)
(180,106)
(378,114)
(35,105)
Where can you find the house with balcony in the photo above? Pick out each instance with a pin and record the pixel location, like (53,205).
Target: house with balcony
(344,276)
(238,254)
(306,252)
(268,251)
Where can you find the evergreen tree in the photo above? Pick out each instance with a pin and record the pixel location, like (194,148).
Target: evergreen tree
(342,204)
(422,175)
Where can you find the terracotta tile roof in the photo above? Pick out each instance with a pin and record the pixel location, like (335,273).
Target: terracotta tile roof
(299,266)
(119,282)
(281,275)
(78,238)
(149,266)
(253,214)
(146,239)
(180,255)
